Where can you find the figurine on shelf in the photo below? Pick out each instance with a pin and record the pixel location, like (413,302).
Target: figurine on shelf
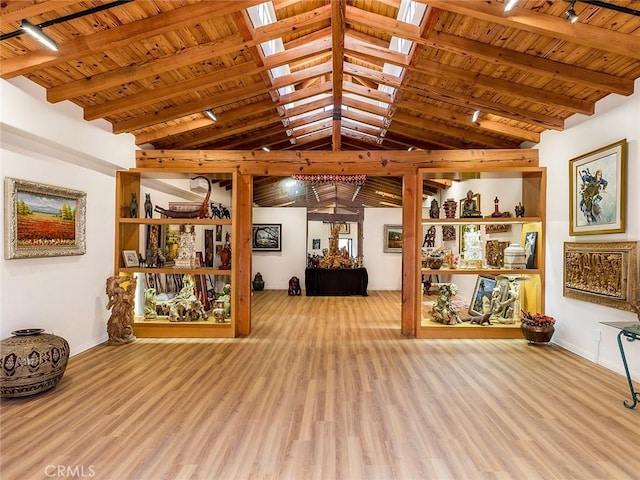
(430,237)
(150,300)
(133,206)
(148,206)
(225,253)
(519,210)
(443,311)
(434,211)
(185,306)
(119,325)
(470,207)
(496,210)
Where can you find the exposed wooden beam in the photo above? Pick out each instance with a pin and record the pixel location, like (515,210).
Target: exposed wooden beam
(532,64)
(465,120)
(119,36)
(492,54)
(548,25)
(473,79)
(228,116)
(471,136)
(390,162)
(222,99)
(477,103)
(131,73)
(337,36)
(16,11)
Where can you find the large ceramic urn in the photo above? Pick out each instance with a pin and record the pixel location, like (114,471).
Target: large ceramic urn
(31,362)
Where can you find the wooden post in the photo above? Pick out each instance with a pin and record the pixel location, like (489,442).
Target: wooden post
(242,220)
(410,242)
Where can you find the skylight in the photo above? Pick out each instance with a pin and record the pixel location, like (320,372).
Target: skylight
(261,15)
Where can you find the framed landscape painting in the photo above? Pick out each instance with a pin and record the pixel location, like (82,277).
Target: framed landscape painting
(597,191)
(393,238)
(43,220)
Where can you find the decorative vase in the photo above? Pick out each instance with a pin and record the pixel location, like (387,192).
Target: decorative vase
(514,257)
(537,333)
(32,362)
(258,283)
(435,261)
(219,312)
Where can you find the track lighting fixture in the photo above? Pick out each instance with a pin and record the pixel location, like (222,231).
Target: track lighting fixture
(509,4)
(211,115)
(37,33)
(571,14)
(475,116)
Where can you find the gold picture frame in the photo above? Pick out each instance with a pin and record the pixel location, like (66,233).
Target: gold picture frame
(598,191)
(43,220)
(605,273)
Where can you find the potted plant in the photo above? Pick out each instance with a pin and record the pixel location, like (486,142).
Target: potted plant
(537,328)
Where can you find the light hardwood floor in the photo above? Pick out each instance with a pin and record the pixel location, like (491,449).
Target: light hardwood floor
(325,388)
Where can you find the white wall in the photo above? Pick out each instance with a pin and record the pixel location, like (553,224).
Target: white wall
(578,328)
(278,267)
(52,144)
(384,269)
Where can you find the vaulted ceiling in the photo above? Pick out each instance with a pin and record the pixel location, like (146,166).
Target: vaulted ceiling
(326,74)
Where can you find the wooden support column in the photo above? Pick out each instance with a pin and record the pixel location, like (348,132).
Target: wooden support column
(410,243)
(242,220)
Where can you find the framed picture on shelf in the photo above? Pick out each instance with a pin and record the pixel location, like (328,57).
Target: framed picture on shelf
(392,239)
(130,258)
(481,298)
(597,191)
(530,241)
(315,244)
(266,237)
(43,220)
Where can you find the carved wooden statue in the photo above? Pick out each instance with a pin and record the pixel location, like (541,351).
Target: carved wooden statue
(121,301)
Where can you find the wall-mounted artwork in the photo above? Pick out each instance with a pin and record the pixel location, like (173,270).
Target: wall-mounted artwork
(393,238)
(602,272)
(315,244)
(597,191)
(43,220)
(266,237)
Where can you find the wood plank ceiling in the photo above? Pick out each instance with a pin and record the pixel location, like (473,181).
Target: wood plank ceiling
(326,74)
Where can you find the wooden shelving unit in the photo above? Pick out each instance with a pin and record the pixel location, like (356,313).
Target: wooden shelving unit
(532,184)
(128,235)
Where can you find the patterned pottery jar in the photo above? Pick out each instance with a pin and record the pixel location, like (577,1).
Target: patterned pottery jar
(31,362)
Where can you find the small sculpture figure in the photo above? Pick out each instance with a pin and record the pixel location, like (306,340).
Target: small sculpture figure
(519,210)
(443,311)
(294,286)
(470,207)
(434,211)
(503,300)
(150,300)
(119,325)
(148,206)
(133,206)
(225,253)
(430,237)
(185,306)
(481,319)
